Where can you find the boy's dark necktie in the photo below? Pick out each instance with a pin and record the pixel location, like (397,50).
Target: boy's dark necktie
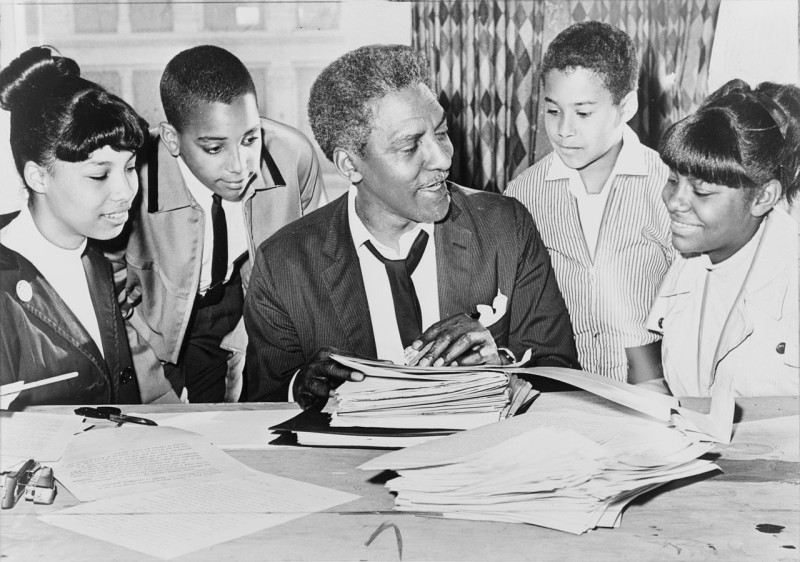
(219,256)
(406,304)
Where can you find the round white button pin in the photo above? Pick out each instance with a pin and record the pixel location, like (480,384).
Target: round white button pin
(24,291)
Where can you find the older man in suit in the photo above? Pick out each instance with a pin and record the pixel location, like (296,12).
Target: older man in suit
(403,251)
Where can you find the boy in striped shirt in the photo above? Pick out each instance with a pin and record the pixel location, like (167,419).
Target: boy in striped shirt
(596,200)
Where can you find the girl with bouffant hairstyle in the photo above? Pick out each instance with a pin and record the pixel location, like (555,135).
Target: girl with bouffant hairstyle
(74,145)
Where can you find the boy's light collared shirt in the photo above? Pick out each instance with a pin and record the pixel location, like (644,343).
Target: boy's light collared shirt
(234,218)
(592,205)
(388,344)
(608,292)
(62,268)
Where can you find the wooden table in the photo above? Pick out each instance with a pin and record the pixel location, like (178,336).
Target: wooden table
(749,512)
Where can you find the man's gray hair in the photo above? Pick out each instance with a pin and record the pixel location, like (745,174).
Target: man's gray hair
(338,108)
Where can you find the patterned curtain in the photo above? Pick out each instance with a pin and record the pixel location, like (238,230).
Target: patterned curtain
(484,57)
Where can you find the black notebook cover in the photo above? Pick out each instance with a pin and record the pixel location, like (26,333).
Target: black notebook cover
(311,421)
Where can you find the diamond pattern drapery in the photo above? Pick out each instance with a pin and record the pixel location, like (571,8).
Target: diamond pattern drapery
(484,56)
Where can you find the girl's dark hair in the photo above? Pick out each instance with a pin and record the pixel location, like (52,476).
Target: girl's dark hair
(56,114)
(740,138)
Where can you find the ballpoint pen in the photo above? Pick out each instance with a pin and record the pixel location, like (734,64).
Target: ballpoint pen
(112,414)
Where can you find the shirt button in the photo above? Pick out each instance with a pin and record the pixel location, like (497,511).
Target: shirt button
(126,375)
(780,348)
(661,323)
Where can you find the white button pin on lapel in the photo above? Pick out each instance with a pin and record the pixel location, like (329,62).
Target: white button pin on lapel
(24,291)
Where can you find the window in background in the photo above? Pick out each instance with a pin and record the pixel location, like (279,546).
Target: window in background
(260,82)
(232,16)
(146,97)
(151,17)
(755,40)
(109,79)
(32,18)
(96,18)
(124,45)
(333,182)
(318,16)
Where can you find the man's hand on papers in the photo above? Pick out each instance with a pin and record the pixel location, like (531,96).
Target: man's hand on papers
(317,379)
(460,339)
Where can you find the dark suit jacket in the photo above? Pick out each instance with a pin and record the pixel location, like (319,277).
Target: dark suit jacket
(41,337)
(306,290)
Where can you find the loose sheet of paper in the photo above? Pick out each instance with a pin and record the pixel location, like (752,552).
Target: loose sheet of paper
(775,439)
(28,435)
(466,443)
(229,429)
(175,521)
(9,392)
(648,402)
(716,425)
(103,463)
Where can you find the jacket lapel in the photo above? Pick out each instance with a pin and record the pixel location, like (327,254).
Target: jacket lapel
(102,299)
(272,176)
(47,305)
(456,258)
(345,284)
(166,189)
(759,292)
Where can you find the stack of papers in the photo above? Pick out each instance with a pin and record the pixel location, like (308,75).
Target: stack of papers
(403,397)
(400,406)
(391,396)
(573,476)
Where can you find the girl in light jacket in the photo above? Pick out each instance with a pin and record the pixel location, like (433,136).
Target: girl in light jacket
(728,307)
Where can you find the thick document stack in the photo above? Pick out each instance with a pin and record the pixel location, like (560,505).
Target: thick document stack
(575,473)
(399,406)
(397,396)
(573,468)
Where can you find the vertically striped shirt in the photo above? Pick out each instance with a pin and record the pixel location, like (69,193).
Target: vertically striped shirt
(608,297)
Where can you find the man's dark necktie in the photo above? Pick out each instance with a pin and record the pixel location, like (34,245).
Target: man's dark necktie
(406,304)
(219,257)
